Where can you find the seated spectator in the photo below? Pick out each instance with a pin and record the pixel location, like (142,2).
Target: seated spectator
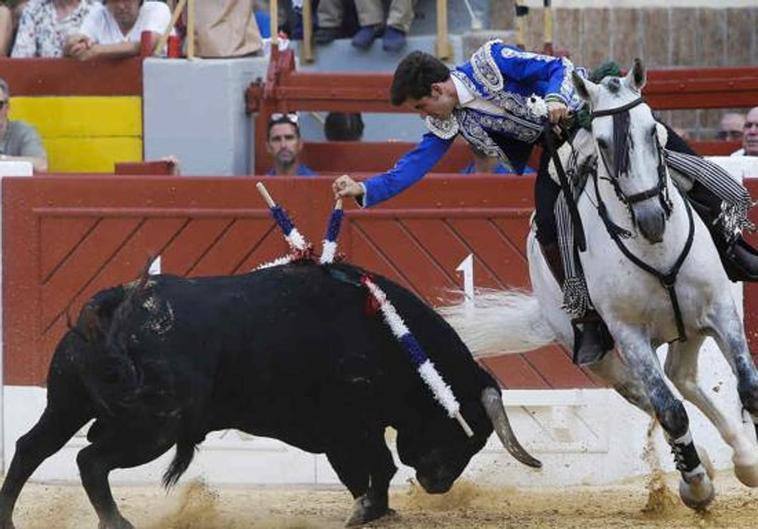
(731,126)
(335,19)
(114,30)
(6,29)
(750,135)
(682,133)
(343,126)
(45,24)
(488,164)
(226,28)
(372,22)
(285,145)
(19,141)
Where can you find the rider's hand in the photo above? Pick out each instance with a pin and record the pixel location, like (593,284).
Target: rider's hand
(344,186)
(556,111)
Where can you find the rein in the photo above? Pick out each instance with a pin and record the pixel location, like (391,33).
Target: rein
(667,280)
(568,193)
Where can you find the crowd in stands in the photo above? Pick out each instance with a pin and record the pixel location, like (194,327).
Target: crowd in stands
(91,29)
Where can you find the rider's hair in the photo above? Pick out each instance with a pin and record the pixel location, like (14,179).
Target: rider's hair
(415,75)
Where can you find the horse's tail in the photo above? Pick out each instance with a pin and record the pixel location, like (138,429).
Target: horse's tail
(500,321)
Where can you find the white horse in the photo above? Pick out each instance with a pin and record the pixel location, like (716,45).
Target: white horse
(641,198)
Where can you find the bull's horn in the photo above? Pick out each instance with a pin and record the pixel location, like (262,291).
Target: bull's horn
(496,412)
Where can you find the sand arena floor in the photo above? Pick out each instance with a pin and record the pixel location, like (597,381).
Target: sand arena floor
(648,503)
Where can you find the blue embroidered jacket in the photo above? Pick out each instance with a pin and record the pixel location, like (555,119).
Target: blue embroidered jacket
(506,77)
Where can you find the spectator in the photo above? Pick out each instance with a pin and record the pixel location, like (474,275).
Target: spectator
(114,30)
(750,135)
(226,28)
(45,24)
(486,164)
(372,23)
(731,126)
(334,19)
(682,133)
(19,141)
(6,29)
(285,145)
(343,126)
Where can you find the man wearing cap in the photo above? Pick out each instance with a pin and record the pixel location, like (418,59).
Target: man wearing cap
(284,144)
(114,30)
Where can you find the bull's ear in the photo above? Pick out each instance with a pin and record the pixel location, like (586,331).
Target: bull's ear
(584,87)
(637,76)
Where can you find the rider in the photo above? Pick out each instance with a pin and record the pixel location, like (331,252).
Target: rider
(498,102)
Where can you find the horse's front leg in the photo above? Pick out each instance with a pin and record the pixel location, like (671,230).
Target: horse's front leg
(696,487)
(682,369)
(725,326)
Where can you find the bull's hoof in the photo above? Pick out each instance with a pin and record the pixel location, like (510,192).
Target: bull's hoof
(697,492)
(116,523)
(366,509)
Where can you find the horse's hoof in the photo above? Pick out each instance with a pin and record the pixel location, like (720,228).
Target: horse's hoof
(697,492)
(366,510)
(746,470)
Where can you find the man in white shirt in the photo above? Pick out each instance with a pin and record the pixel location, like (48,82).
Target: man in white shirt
(114,30)
(749,135)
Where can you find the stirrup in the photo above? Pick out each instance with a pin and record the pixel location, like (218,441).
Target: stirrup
(592,341)
(740,261)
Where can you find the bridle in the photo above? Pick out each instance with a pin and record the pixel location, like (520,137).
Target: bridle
(660,189)
(667,280)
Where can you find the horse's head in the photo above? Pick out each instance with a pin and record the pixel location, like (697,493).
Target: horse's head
(626,136)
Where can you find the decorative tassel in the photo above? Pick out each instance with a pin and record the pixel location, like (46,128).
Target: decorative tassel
(441,391)
(576,297)
(276,262)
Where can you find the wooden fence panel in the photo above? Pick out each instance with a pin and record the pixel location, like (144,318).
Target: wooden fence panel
(65,238)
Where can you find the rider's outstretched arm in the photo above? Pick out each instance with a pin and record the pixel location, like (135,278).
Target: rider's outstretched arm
(408,170)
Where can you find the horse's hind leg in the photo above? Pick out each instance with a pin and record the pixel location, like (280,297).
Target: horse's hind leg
(119,447)
(682,368)
(613,370)
(696,488)
(54,428)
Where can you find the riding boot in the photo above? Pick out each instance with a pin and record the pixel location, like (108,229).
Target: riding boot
(592,339)
(739,258)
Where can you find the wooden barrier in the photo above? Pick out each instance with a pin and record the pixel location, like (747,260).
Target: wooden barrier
(286,89)
(68,237)
(89,114)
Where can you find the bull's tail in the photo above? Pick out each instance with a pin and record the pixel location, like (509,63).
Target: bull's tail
(185,452)
(500,321)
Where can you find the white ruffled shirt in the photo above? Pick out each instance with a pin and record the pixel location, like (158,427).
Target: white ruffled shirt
(468,99)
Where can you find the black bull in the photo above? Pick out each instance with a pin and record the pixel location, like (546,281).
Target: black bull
(288,352)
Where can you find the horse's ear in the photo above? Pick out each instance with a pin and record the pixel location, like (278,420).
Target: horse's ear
(585,88)
(637,76)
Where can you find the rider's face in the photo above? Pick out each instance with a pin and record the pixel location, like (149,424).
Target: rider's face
(439,104)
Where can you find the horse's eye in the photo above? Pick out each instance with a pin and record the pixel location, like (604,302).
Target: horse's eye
(603,144)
